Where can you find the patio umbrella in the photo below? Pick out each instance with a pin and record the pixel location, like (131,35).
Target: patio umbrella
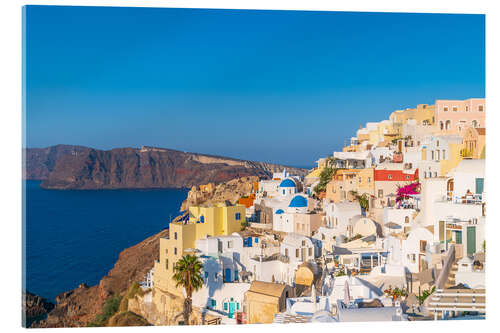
(347,294)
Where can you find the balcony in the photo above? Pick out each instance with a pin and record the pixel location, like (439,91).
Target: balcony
(474,199)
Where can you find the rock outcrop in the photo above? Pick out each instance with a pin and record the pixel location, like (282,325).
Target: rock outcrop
(76,167)
(213,193)
(34,308)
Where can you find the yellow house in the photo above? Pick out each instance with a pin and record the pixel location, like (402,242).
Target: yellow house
(455,156)
(217,220)
(423,113)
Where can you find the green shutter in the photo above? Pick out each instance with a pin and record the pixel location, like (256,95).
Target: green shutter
(479,185)
(458,237)
(471,240)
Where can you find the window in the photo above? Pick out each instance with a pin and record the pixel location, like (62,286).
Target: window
(283,192)
(466,108)
(435,174)
(286,252)
(380,193)
(389,176)
(206,275)
(309,251)
(322,236)
(237,216)
(303,243)
(437,143)
(256,240)
(166,264)
(175,235)
(480,108)
(455,109)
(425,174)
(432,154)
(369,179)
(444,154)
(448,124)
(225,306)
(441,125)
(237,306)
(445,109)
(175,250)
(214,303)
(230,244)
(360,180)
(235,275)
(423,245)
(407,219)
(202,219)
(215,276)
(296,253)
(407,177)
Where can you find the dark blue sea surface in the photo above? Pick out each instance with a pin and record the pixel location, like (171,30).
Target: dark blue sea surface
(76,236)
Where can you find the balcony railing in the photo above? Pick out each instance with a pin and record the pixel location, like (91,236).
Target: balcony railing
(475,199)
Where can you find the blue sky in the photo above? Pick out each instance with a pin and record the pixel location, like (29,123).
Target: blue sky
(280,86)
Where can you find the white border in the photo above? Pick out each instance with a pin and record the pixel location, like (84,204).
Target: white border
(10,131)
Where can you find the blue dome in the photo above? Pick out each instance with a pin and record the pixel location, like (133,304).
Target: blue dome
(287,183)
(280,211)
(298,201)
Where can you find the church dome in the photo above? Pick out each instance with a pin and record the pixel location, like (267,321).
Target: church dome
(287,183)
(298,202)
(280,211)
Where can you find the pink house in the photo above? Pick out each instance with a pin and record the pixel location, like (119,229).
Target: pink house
(453,116)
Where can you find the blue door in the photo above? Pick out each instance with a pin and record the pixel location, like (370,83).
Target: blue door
(231,309)
(227,275)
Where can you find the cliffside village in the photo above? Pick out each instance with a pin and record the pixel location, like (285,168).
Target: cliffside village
(391,228)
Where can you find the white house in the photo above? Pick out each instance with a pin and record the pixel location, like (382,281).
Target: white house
(416,250)
(339,216)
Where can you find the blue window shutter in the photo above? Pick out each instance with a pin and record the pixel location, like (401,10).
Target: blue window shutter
(225,306)
(202,219)
(256,240)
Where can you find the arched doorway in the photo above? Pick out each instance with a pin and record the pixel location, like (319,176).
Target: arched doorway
(449,188)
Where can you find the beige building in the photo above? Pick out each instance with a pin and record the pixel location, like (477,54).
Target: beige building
(474,143)
(347,180)
(264,299)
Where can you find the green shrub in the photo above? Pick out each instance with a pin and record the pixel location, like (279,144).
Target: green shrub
(109,308)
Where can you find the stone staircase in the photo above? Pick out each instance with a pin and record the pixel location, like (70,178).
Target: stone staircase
(451,277)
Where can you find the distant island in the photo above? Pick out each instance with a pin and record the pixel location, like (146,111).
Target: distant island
(77,167)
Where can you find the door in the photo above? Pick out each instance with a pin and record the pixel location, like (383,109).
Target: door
(231,309)
(458,237)
(471,240)
(479,185)
(227,275)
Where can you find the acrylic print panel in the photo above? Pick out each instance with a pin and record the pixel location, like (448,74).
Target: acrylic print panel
(217,167)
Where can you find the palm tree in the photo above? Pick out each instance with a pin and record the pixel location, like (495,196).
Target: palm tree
(187,274)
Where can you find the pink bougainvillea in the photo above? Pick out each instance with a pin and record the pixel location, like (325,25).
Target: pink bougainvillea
(405,191)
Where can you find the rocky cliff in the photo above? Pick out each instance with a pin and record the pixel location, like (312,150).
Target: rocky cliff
(76,167)
(213,193)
